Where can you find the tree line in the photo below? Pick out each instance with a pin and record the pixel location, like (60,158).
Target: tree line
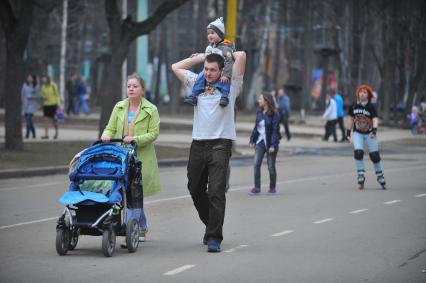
(381,42)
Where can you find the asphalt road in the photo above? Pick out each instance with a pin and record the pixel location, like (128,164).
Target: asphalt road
(318,228)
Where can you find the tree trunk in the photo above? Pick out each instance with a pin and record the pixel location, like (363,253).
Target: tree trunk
(173,82)
(110,90)
(389,64)
(307,57)
(122,33)
(17,30)
(256,81)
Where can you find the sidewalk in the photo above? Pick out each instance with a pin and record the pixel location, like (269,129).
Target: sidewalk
(175,131)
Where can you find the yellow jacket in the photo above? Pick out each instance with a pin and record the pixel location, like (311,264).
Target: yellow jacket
(147,129)
(50,94)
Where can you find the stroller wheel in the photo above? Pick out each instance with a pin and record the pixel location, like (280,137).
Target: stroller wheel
(132,235)
(108,242)
(62,240)
(74,239)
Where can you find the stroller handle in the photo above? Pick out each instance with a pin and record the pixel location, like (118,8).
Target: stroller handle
(133,143)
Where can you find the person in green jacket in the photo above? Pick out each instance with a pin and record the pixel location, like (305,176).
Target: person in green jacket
(51,101)
(137,119)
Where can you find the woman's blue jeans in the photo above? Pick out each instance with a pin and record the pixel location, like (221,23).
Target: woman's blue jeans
(82,103)
(138,214)
(359,140)
(30,125)
(259,152)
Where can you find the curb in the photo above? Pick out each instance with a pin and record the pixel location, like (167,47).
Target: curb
(43,171)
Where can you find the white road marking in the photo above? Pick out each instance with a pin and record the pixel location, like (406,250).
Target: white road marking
(392,201)
(166,199)
(358,211)
(31,186)
(236,248)
(240,188)
(282,233)
(179,270)
(29,222)
(421,195)
(323,220)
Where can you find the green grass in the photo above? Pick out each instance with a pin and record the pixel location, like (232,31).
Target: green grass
(60,153)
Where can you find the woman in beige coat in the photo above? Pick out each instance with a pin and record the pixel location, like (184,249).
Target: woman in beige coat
(137,119)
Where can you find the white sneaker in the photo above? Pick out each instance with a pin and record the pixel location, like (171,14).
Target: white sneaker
(142,235)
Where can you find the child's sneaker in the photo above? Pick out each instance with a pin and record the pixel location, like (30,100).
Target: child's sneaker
(272,191)
(192,99)
(254,191)
(224,101)
(381,181)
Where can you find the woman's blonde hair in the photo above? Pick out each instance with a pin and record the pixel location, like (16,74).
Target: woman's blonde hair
(138,78)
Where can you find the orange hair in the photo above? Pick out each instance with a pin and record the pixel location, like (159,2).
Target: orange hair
(367,88)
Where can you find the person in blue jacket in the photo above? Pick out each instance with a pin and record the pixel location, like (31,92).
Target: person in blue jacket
(265,138)
(340,113)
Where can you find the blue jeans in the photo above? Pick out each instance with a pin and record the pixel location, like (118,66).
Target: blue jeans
(372,145)
(30,125)
(81,103)
(139,214)
(259,152)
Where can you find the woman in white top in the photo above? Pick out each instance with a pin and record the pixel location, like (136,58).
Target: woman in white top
(330,115)
(265,138)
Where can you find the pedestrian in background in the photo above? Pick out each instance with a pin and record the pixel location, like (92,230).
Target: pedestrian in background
(284,106)
(72,95)
(135,119)
(340,114)
(364,123)
(29,97)
(414,119)
(82,96)
(265,138)
(330,116)
(51,102)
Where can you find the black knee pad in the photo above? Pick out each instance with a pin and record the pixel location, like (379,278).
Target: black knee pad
(358,154)
(375,156)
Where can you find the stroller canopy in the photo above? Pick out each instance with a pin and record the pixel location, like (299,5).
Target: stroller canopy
(99,174)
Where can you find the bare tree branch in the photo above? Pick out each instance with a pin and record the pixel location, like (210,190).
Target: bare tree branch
(46,5)
(144,27)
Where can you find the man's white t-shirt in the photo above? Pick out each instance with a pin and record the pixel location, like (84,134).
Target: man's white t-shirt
(212,121)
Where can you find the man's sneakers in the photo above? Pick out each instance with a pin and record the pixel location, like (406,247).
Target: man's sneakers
(213,246)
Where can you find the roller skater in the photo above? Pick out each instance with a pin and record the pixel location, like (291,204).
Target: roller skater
(364,125)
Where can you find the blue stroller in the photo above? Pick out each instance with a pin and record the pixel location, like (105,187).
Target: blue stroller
(105,181)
